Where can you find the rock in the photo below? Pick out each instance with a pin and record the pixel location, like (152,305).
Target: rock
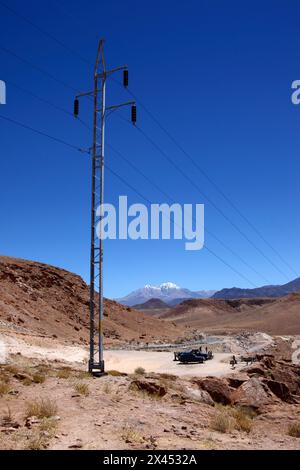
(253,394)
(236,380)
(281,390)
(199,395)
(77,445)
(8,423)
(218,389)
(150,387)
(8,430)
(31,420)
(256,369)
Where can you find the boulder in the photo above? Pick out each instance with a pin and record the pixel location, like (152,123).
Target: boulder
(256,369)
(218,389)
(149,387)
(254,394)
(281,390)
(199,395)
(236,380)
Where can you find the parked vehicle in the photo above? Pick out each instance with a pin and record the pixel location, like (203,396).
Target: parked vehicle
(188,357)
(195,355)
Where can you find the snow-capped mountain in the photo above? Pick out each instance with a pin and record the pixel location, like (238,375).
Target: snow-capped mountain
(168,292)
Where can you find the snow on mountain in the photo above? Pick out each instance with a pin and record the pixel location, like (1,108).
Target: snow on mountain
(167,291)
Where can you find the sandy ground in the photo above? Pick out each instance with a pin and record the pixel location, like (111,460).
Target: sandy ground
(121,360)
(162,362)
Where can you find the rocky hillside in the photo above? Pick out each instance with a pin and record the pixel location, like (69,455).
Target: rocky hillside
(40,299)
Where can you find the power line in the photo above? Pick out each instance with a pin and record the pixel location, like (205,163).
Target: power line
(212,182)
(165,155)
(49,35)
(171,137)
(49,103)
(117,152)
(148,179)
(44,134)
(205,247)
(141,173)
(36,67)
(63,142)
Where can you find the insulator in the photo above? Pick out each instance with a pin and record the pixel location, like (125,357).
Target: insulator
(76,107)
(125,78)
(133,114)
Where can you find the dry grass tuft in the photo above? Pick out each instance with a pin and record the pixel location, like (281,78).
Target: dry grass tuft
(37,441)
(115,373)
(38,378)
(294,429)
(82,388)
(139,371)
(242,421)
(12,369)
(7,417)
(4,388)
(64,373)
(83,375)
(229,418)
(130,435)
(221,422)
(49,426)
(43,408)
(170,377)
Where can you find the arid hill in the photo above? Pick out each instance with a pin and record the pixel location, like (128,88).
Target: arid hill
(40,299)
(273,316)
(153,307)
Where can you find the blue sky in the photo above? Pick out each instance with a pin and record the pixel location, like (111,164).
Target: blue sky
(216,74)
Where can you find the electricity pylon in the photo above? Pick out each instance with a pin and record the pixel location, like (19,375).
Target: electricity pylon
(96,360)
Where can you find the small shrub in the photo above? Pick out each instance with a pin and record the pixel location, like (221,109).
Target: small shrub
(83,375)
(43,408)
(221,422)
(64,373)
(27,381)
(82,388)
(36,441)
(4,376)
(38,378)
(12,369)
(131,435)
(115,373)
(294,429)
(4,388)
(139,371)
(7,418)
(168,377)
(49,426)
(242,421)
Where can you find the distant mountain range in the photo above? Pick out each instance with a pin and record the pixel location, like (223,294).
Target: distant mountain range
(173,294)
(168,292)
(264,291)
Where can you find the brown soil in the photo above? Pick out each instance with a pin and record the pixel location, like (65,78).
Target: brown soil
(45,300)
(274,316)
(137,412)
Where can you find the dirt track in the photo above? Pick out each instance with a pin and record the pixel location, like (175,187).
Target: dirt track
(121,360)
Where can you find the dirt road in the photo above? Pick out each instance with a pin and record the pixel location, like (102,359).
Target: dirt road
(121,360)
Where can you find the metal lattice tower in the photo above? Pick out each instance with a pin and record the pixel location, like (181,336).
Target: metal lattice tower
(96,360)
